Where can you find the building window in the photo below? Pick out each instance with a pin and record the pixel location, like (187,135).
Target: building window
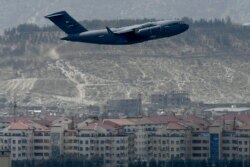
(226,148)
(205,141)
(225,141)
(196,148)
(38,154)
(205,148)
(196,141)
(235,142)
(196,155)
(183,148)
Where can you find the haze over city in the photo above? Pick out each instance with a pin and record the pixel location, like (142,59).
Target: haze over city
(145,83)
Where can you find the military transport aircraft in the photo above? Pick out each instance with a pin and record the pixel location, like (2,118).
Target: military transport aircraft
(116,36)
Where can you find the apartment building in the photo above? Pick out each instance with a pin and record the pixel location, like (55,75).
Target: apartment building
(171,141)
(98,141)
(116,142)
(139,131)
(41,144)
(26,141)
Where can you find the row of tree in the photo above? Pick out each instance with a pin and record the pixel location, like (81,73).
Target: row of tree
(60,162)
(217,33)
(25,30)
(98,162)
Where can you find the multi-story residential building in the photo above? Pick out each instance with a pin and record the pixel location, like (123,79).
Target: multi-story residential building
(171,141)
(41,144)
(116,142)
(200,145)
(26,141)
(98,141)
(139,132)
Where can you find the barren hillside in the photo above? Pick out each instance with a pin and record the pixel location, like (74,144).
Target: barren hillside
(211,61)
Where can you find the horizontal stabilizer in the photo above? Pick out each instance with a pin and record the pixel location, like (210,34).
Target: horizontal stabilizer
(66,23)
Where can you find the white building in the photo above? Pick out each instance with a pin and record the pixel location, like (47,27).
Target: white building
(26,141)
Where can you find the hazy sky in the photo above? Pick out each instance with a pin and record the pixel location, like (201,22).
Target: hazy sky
(14,12)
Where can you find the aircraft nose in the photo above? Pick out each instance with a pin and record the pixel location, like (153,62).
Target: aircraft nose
(185,26)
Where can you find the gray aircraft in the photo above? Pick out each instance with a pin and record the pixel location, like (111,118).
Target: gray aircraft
(116,36)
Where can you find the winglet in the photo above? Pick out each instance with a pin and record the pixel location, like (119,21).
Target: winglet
(56,14)
(110,31)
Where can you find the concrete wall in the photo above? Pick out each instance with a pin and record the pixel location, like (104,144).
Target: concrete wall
(5,161)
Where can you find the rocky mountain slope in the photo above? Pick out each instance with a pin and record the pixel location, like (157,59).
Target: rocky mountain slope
(211,61)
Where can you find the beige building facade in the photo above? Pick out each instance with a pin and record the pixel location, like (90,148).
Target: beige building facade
(116,142)
(5,159)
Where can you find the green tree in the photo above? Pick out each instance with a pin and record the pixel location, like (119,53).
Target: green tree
(152,163)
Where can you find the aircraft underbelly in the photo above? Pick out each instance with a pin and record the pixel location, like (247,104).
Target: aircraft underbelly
(104,39)
(132,37)
(171,32)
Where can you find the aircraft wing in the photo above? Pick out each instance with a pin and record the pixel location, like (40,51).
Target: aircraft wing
(125,31)
(132,29)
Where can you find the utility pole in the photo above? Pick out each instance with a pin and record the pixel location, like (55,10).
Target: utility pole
(140,104)
(14,108)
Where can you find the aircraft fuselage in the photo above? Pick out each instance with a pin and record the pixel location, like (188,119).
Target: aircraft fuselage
(116,36)
(137,36)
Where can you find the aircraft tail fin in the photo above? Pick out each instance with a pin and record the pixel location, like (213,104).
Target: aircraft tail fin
(66,23)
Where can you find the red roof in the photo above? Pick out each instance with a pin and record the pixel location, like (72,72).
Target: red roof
(163,119)
(119,122)
(244,118)
(29,125)
(18,126)
(141,121)
(175,126)
(246,127)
